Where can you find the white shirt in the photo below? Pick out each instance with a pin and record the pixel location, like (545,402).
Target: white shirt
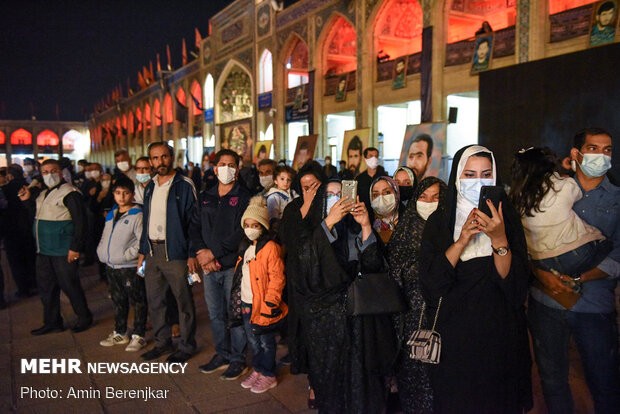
(557,229)
(246,283)
(157,214)
(138,195)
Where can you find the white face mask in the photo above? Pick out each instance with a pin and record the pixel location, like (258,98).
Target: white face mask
(470,188)
(372,163)
(331,200)
(225,174)
(27,168)
(123,166)
(384,204)
(252,234)
(105,184)
(88,174)
(266,181)
(426,209)
(95,174)
(143,178)
(51,180)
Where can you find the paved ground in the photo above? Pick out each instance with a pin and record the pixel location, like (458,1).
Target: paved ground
(192,392)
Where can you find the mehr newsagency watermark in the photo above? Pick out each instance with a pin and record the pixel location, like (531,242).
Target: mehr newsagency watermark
(74,366)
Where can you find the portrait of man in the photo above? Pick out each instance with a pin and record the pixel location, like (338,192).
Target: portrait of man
(420,154)
(299,97)
(353,146)
(604,21)
(306,144)
(341,91)
(482,53)
(423,147)
(399,76)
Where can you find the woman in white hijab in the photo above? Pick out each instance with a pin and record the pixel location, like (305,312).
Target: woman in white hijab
(478,265)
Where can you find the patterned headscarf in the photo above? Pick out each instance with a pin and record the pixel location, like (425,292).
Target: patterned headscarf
(389,222)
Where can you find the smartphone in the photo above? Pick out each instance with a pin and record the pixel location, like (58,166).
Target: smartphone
(349,190)
(495,193)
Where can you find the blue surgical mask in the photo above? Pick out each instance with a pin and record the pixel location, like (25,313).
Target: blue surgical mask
(595,165)
(143,178)
(331,200)
(470,188)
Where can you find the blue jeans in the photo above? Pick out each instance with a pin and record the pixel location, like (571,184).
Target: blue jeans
(596,336)
(263,346)
(229,342)
(577,261)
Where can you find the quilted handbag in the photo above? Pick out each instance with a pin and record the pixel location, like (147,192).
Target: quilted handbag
(426,343)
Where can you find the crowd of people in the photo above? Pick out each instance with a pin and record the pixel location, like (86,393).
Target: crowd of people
(277,250)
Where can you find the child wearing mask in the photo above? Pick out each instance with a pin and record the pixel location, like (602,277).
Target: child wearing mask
(281,193)
(118,249)
(256,295)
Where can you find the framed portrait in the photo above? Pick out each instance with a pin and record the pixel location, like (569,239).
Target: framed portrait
(341,90)
(353,145)
(237,136)
(399,74)
(299,97)
(262,149)
(304,151)
(483,53)
(423,146)
(603,22)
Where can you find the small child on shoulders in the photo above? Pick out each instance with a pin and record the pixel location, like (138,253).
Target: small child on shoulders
(280,194)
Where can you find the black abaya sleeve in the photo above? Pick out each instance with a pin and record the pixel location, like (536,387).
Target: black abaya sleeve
(437,274)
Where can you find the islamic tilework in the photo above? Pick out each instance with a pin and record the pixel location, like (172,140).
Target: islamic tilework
(427,6)
(298,11)
(346,8)
(246,57)
(232,31)
(570,23)
(524,30)
(218,70)
(370,6)
(301,28)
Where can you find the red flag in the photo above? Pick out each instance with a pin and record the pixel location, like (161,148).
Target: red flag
(184,53)
(141,81)
(198,38)
(158,64)
(169,58)
(146,76)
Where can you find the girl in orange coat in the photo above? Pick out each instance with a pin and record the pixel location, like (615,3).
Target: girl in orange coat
(256,296)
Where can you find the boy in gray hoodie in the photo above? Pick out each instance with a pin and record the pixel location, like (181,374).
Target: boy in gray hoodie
(118,250)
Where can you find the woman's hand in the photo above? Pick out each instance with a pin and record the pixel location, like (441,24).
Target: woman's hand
(469,230)
(359,213)
(337,212)
(492,226)
(308,196)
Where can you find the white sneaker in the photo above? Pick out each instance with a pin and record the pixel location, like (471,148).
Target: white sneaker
(114,339)
(136,344)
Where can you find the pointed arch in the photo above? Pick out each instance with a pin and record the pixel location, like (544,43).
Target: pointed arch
(139,118)
(168,114)
(295,59)
(265,72)
(209,91)
(2,138)
(234,89)
(157,112)
(47,138)
(397,28)
(147,115)
(338,50)
(21,137)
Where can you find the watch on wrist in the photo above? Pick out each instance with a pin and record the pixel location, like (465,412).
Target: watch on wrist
(501,251)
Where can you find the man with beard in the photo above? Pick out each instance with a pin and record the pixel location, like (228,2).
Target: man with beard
(419,155)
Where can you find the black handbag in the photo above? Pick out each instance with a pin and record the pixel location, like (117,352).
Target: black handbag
(374,294)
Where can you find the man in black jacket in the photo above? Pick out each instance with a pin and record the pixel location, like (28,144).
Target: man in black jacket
(216,233)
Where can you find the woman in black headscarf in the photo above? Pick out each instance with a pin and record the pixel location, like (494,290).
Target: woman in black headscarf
(416,395)
(478,265)
(343,355)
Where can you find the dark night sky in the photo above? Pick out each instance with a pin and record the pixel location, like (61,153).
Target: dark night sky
(74,52)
